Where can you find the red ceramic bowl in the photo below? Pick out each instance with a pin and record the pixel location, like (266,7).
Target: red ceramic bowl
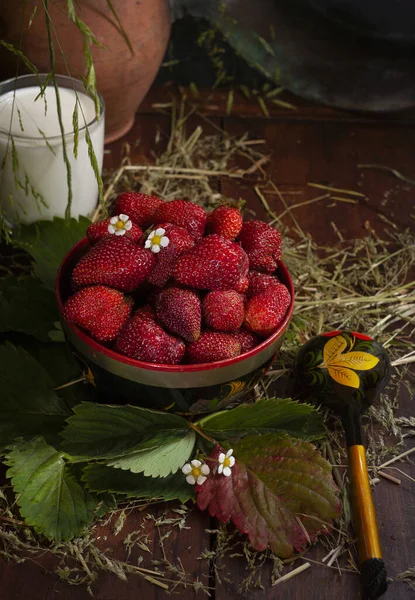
(182,388)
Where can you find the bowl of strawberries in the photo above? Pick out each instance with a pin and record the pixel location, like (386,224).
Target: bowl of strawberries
(170,307)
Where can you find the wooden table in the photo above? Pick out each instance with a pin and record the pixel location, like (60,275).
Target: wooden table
(317,144)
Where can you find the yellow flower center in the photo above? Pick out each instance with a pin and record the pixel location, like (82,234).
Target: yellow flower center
(196,472)
(155,240)
(119,224)
(226,462)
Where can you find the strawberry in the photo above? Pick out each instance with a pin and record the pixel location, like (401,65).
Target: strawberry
(265,311)
(101,310)
(145,312)
(179,311)
(247,339)
(101,229)
(242,285)
(223,310)
(263,245)
(114,261)
(212,346)
(213,264)
(225,221)
(184,214)
(260,282)
(143,339)
(139,207)
(180,241)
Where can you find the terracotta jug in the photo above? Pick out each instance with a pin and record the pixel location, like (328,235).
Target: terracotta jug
(123,78)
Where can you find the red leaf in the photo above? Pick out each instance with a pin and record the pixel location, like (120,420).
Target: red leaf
(274,482)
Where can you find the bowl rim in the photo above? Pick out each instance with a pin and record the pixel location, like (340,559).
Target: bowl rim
(162,368)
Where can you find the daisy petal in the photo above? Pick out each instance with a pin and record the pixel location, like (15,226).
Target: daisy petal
(160,231)
(201,479)
(111,229)
(147,244)
(195,463)
(120,232)
(123,218)
(229,453)
(227,471)
(186,468)
(231,461)
(221,457)
(128,225)
(114,220)
(220,469)
(155,248)
(205,469)
(152,234)
(190,479)
(164,242)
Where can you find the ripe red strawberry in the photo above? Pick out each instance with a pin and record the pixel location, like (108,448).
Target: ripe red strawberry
(116,262)
(223,310)
(261,282)
(180,241)
(263,245)
(101,310)
(184,214)
(225,221)
(143,339)
(264,312)
(99,230)
(247,339)
(242,285)
(214,264)
(212,346)
(145,312)
(179,310)
(139,207)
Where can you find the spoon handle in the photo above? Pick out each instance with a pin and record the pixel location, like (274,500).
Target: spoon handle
(370,556)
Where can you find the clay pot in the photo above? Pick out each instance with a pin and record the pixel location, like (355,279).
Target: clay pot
(123,78)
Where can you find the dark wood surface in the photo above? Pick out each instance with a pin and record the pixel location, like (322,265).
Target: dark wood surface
(310,144)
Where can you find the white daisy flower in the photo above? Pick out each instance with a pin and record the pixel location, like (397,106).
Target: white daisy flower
(196,472)
(157,240)
(119,225)
(226,462)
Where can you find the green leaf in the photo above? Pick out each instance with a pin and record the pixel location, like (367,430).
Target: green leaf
(166,457)
(274,415)
(103,431)
(49,497)
(56,359)
(102,479)
(28,402)
(27,306)
(48,242)
(278,489)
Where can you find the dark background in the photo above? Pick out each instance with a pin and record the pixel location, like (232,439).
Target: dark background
(201,54)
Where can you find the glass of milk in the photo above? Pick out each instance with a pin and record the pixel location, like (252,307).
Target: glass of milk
(33,173)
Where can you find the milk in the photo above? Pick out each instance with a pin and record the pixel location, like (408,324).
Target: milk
(38,188)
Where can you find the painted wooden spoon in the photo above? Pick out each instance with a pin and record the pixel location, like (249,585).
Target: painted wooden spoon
(345,371)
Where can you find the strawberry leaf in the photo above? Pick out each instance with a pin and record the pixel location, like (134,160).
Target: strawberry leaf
(273,485)
(49,497)
(274,415)
(138,439)
(103,479)
(160,460)
(48,241)
(27,306)
(29,404)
